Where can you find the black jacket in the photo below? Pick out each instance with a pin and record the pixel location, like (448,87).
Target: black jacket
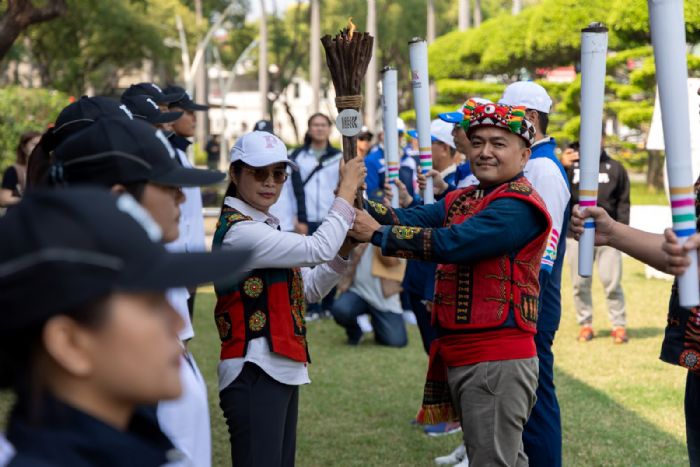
(613,187)
(66,436)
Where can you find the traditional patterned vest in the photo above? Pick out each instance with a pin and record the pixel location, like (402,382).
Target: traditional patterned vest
(478,296)
(267,303)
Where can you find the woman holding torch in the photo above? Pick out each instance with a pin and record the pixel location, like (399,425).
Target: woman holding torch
(261,319)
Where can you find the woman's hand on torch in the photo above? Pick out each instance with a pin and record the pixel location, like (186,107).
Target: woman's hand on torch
(604,224)
(364,227)
(352,178)
(676,255)
(439,185)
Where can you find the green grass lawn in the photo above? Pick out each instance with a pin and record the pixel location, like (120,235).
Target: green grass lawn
(620,405)
(640,194)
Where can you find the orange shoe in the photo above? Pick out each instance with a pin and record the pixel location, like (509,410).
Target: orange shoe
(619,335)
(586,334)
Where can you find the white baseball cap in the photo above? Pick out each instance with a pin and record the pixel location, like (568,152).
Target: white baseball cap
(439,131)
(260,149)
(527,93)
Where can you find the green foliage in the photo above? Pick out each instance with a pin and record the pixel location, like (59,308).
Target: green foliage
(24,110)
(89,45)
(453,91)
(409,116)
(636,116)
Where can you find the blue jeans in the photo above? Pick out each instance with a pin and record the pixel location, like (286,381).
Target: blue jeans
(389,328)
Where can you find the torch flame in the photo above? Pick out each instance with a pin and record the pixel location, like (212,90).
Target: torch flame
(351,28)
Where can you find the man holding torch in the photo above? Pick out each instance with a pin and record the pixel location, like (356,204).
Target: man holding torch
(483,364)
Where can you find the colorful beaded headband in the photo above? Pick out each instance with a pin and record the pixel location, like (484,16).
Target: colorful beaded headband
(511,118)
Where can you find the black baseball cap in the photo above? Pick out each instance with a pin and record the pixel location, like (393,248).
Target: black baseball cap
(116,150)
(145,108)
(151,90)
(83,112)
(184,100)
(264,125)
(62,249)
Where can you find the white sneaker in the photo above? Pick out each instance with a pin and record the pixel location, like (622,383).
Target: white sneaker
(365,325)
(456,457)
(409,317)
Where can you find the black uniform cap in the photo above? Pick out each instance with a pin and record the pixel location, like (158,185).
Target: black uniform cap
(116,150)
(153,91)
(64,248)
(145,108)
(183,99)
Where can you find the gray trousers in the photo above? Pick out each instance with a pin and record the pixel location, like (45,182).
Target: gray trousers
(494,401)
(261,415)
(610,271)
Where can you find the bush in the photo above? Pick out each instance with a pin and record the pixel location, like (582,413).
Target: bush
(455,91)
(24,110)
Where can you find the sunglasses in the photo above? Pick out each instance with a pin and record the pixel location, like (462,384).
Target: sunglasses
(262,174)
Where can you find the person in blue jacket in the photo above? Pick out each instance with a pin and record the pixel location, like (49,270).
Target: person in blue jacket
(376,168)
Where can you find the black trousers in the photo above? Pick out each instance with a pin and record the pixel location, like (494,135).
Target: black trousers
(261,415)
(692,417)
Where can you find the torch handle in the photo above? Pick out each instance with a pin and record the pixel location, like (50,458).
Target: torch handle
(349,152)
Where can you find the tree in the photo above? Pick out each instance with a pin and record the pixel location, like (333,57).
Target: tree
(86,49)
(20,14)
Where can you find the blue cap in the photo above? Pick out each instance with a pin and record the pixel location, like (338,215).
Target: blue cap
(414,134)
(452,117)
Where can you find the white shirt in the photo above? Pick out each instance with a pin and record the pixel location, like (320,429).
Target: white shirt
(318,191)
(7,451)
(369,287)
(547,179)
(191,239)
(272,248)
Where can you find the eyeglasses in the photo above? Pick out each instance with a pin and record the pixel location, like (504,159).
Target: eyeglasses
(262,174)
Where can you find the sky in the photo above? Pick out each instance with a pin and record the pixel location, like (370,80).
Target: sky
(281,6)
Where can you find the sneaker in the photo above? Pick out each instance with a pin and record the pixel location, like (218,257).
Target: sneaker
(586,334)
(312,316)
(442,429)
(454,458)
(619,335)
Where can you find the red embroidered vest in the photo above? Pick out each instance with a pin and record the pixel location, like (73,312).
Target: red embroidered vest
(266,303)
(478,296)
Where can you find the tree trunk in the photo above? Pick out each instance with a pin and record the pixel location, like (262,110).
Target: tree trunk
(655,170)
(477,13)
(315,55)
(263,84)
(20,14)
(464,14)
(517,6)
(371,76)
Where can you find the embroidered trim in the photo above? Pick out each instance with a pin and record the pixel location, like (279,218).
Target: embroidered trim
(253,287)
(257,321)
(405,233)
(223,325)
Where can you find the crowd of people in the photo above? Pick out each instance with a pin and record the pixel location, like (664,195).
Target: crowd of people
(104,215)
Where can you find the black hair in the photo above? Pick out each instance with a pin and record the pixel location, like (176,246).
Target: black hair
(135,189)
(231,190)
(307,135)
(40,160)
(575,146)
(542,120)
(24,138)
